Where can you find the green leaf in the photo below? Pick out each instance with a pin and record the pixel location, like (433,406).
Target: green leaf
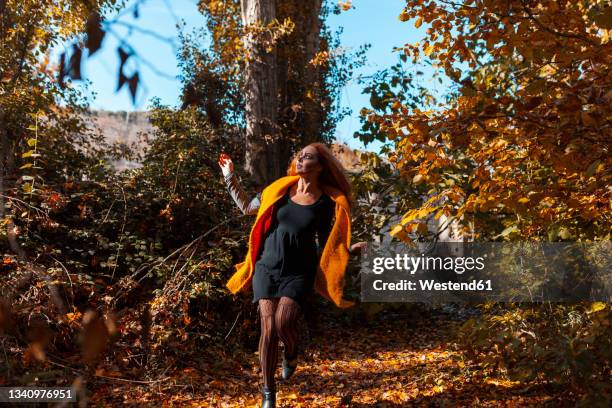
(564,233)
(553,233)
(596,307)
(30,153)
(509,230)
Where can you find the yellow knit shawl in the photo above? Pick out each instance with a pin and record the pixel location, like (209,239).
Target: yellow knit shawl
(329,280)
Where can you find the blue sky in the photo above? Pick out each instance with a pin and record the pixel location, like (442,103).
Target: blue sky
(371,21)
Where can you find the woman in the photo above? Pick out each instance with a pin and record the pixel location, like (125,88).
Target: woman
(284,262)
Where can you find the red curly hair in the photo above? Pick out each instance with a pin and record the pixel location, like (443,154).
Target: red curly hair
(333,173)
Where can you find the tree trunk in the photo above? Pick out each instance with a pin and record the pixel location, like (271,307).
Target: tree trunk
(277,82)
(312,106)
(261,97)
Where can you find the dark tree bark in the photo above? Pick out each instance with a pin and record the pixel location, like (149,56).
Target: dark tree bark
(312,106)
(276,84)
(261,97)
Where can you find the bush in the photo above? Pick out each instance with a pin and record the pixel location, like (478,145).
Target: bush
(565,344)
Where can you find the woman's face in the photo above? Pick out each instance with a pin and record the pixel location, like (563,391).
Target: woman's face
(308,161)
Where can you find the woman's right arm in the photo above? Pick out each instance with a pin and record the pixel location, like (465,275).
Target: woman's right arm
(250,207)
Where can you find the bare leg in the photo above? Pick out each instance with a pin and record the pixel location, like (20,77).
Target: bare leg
(268,340)
(286,319)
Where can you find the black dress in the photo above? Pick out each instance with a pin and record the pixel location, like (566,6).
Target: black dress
(288,263)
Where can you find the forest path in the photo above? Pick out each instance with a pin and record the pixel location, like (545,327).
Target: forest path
(392,361)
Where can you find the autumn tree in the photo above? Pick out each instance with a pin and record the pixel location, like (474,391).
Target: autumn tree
(523,148)
(519,149)
(43,139)
(66,211)
(288,71)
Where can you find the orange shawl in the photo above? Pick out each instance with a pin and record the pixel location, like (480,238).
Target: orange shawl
(329,280)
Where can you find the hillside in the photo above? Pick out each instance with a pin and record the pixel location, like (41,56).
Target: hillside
(126,127)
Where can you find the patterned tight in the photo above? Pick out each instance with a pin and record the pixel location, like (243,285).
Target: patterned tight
(278,320)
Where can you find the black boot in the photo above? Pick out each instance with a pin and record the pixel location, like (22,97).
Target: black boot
(289,365)
(269,397)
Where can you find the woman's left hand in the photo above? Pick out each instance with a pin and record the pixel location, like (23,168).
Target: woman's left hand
(359,247)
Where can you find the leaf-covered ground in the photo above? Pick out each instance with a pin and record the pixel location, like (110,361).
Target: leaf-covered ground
(392,361)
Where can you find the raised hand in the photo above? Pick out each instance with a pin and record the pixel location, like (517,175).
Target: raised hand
(226,164)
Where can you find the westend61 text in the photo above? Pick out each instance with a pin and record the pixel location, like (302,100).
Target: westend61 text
(404,284)
(410,263)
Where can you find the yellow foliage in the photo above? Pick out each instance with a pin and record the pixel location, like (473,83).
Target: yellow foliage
(527,135)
